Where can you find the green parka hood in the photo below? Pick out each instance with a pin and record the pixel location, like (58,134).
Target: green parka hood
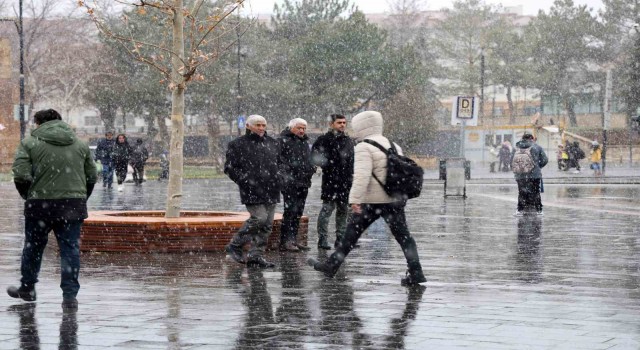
(55,132)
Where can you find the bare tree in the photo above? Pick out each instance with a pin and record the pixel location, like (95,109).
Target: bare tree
(192,37)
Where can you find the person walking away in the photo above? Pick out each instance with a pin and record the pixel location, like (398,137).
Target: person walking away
(297,170)
(55,173)
(121,155)
(596,157)
(252,163)
(578,155)
(527,161)
(504,155)
(333,152)
(139,156)
(104,154)
(164,165)
(369,201)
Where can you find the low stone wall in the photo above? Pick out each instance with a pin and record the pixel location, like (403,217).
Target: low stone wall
(150,231)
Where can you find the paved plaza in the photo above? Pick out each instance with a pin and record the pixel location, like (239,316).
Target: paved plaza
(568,280)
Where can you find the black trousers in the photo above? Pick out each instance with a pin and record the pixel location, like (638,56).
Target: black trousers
(529,194)
(294,201)
(393,215)
(138,172)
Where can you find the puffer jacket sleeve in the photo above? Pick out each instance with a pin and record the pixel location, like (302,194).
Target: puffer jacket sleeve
(22,165)
(362,169)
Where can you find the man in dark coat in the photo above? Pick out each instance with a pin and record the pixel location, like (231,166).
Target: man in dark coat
(104,153)
(252,163)
(55,173)
(333,152)
(529,184)
(297,170)
(139,156)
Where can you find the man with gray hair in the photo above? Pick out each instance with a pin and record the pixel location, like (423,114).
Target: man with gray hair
(252,163)
(297,170)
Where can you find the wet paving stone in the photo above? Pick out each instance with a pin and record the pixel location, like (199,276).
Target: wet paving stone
(568,280)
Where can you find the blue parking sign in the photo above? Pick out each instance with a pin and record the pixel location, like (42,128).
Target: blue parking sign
(241,122)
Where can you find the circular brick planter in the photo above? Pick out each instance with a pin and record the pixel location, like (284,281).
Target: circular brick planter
(150,231)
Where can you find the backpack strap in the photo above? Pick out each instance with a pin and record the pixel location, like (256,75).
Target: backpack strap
(386,152)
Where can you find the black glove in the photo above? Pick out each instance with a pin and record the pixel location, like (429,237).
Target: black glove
(23,188)
(90,189)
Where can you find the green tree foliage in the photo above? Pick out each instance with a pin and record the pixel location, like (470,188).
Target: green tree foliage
(564,43)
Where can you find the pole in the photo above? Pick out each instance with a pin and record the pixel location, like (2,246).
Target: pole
(21,110)
(482,87)
(607,118)
(464,122)
(239,96)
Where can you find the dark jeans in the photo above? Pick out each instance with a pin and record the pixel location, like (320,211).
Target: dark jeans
(294,201)
(138,173)
(107,173)
(121,171)
(256,229)
(529,194)
(393,214)
(36,236)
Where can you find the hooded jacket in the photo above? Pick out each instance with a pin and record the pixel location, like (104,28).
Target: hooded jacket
(369,160)
(333,152)
(252,163)
(295,160)
(55,171)
(539,159)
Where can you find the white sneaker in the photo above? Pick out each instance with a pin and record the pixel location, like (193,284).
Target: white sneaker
(120,188)
(518,213)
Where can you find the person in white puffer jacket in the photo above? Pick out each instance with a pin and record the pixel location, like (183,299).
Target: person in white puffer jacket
(369,201)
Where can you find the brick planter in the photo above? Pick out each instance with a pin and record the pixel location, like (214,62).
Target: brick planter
(150,231)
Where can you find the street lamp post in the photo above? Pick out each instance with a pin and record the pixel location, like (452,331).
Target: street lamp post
(481,86)
(21,35)
(18,25)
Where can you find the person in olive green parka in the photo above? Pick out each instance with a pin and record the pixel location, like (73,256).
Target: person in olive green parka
(54,172)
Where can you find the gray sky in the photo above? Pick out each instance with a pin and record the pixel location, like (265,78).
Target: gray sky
(530,7)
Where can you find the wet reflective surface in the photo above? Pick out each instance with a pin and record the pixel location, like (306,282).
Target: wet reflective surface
(568,280)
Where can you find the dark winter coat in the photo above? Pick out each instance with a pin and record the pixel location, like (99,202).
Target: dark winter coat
(252,163)
(139,154)
(104,151)
(333,152)
(539,159)
(121,152)
(54,172)
(295,161)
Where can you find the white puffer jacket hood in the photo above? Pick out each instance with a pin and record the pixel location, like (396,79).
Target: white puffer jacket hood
(369,160)
(366,124)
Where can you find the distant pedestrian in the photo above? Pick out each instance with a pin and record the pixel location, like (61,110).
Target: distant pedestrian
(369,201)
(575,155)
(104,154)
(562,157)
(296,170)
(504,156)
(164,165)
(596,157)
(55,173)
(139,156)
(493,158)
(333,153)
(252,163)
(121,155)
(527,161)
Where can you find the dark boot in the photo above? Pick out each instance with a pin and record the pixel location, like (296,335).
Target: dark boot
(25,292)
(235,252)
(413,278)
(327,270)
(260,262)
(303,248)
(289,247)
(323,243)
(70,304)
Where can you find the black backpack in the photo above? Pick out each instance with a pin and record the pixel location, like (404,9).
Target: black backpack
(404,176)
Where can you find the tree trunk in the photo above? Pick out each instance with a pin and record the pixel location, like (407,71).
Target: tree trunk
(573,121)
(174,187)
(108,116)
(512,115)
